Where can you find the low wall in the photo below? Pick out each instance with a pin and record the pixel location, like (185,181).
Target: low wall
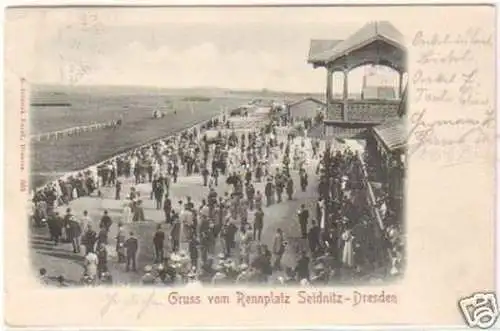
(341,129)
(364,110)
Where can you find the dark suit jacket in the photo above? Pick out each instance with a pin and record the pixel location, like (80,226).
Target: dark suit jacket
(159,238)
(131,244)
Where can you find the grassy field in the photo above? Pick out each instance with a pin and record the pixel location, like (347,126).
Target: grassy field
(51,158)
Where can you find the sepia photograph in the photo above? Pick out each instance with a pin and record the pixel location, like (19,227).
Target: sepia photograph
(274,156)
(271,166)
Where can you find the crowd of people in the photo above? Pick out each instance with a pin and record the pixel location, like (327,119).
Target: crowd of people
(219,240)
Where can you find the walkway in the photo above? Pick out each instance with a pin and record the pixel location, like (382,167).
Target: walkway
(61,260)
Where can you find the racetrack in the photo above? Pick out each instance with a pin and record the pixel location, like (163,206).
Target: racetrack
(76,152)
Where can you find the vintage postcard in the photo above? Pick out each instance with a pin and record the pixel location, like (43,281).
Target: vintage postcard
(250,166)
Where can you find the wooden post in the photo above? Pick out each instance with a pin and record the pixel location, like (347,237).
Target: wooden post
(329,83)
(345,95)
(400,92)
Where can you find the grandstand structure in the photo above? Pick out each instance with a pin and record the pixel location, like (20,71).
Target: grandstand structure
(378,118)
(376,43)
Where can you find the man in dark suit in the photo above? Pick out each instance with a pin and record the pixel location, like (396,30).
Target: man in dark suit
(132,245)
(158,192)
(118,188)
(258,224)
(302,267)
(167,209)
(55,223)
(89,239)
(158,241)
(314,237)
(74,233)
(106,221)
(303,214)
(66,220)
(175,233)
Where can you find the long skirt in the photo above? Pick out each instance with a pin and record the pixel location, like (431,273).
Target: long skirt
(347,254)
(127,215)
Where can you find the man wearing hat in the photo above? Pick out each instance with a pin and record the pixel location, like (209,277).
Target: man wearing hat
(314,237)
(158,241)
(106,221)
(102,236)
(89,239)
(175,232)
(258,200)
(229,232)
(120,243)
(118,188)
(268,191)
(303,179)
(250,192)
(289,187)
(167,209)
(278,248)
(74,232)
(55,224)
(66,219)
(279,185)
(193,251)
(131,245)
(303,215)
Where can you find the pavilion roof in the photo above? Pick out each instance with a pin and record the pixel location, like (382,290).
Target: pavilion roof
(393,134)
(377,30)
(319,47)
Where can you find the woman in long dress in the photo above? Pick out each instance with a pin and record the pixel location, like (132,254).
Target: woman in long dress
(90,264)
(127,211)
(347,252)
(245,244)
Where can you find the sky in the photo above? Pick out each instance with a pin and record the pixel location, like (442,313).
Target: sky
(100,48)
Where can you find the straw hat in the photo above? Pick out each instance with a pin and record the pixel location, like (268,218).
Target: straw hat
(148,268)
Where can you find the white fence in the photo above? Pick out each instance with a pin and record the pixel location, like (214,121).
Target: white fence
(72,131)
(94,167)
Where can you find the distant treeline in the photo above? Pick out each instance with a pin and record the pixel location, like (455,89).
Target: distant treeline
(197,98)
(50,104)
